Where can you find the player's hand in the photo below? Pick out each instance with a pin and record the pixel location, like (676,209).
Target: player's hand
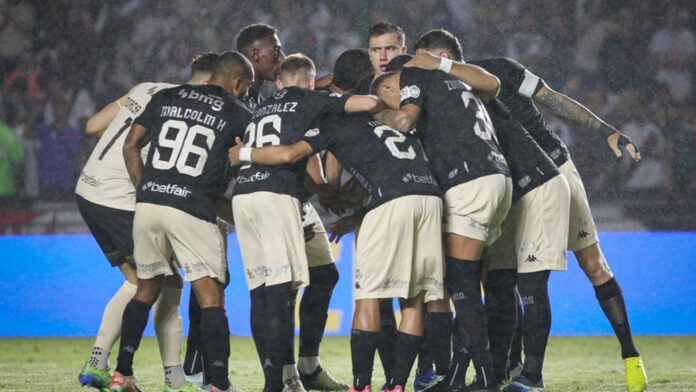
(233,152)
(424,60)
(617,139)
(343,226)
(323,82)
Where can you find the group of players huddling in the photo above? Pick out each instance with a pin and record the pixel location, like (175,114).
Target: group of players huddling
(457,183)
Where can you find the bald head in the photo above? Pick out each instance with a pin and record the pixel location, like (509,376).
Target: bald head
(233,72)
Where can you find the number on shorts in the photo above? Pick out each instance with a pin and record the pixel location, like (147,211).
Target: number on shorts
(182,147)
(394,137)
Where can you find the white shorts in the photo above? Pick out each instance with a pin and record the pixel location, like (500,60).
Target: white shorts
(161,232)
(477,208)
(269,230)
(318,249)
(399,250)
(581,230)
(535,232)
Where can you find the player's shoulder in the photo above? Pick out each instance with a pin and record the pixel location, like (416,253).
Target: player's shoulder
(500,65)
(150,88)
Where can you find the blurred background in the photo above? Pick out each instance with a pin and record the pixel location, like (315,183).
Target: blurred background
(631,62)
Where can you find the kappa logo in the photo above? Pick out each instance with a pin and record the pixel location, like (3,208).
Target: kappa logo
(410,92)
(312,132)
(531,259)
(583,234)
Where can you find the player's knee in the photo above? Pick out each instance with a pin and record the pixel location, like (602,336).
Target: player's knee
(594,265)
(149,289)
(439,306)
(324,275)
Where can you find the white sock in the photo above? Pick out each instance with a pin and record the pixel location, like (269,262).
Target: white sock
(110,327)
(289,371)
(308,365)
(168,329)
(174,376)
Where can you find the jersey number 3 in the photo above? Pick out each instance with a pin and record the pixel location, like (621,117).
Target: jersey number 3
(178,139)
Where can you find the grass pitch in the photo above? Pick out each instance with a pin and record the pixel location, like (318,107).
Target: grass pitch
(572,364)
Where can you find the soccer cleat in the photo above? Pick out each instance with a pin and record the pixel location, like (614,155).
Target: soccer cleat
(366,389)
(516,371)
(212,388)
(121,383)
(427,381)
(322,380)
(531,386)
(188,387)
(94,378)
(195,379)
(636,379)
(515,387)
(293,384)
(397,388)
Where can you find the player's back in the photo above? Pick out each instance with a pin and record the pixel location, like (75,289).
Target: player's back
(191,128)
(387,163)
(104,179)
(517,87)
(529,165)
(454,126)
(283,119)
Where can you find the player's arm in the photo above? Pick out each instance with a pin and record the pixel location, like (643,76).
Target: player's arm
(403,120)
(483,82)
(315,171)
(333,170)
(364,103)
(566,107)
(269,155)
(136,139)
(100,120)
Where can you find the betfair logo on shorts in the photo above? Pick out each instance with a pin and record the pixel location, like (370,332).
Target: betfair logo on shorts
(426,179)
(169,189)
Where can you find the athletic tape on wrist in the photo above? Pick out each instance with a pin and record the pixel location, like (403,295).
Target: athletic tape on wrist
(445,65)
(245,154)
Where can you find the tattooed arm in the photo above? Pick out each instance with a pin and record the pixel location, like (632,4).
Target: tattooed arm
(566,107)
(403,120)
(136,139)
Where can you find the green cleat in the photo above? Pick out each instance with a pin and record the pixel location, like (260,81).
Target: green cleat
(636,379)
(121,383)
(94,378)
(188,387)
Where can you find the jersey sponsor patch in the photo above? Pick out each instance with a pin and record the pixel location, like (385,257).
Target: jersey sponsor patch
(169,189)
(312,132)
(410,92)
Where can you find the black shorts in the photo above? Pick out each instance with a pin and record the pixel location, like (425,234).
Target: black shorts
(112,228)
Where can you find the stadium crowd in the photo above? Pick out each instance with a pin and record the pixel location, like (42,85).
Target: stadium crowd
(633,65)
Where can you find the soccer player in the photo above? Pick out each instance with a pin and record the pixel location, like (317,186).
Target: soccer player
(178,190)
(520,91)
(106,200)
(266,203)
(384,42)
(465,156)
(261,45)
(398,250)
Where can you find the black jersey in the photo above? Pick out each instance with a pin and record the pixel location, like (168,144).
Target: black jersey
(529,164)
(387,163)
(454,127)
(191,128)
(283,119)
(517,88)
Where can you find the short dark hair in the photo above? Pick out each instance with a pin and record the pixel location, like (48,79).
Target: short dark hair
(253,32)
(351,67)
(203,62)
(232,64)
(440,39)
(385,27)
(379,80)
(295,63)
(397,63)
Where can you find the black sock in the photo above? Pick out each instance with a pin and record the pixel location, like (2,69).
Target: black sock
(193,359)
(405,350)
(501,312)
(215,334)
(363,345)
(314,307)
(463,279)
(437,342)
(425,359)
(258,320)
(279,334)
(536,324)
(387,334)
(516,348)
(611,300)
(134,321)
(456,374)
(289,357)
